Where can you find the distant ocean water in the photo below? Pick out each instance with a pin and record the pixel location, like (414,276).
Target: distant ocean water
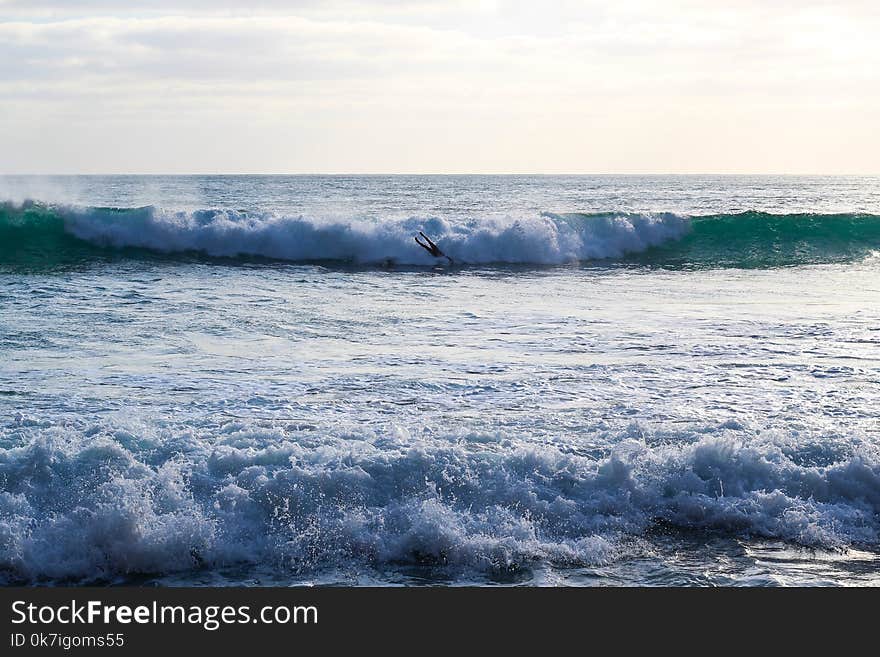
(264,380)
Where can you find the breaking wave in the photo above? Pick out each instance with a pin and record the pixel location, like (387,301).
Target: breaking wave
(98,502)
(31,233)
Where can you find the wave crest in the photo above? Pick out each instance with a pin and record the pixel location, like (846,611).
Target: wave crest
(750,239)
(81,504)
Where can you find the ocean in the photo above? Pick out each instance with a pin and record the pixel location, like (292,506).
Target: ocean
(264,380)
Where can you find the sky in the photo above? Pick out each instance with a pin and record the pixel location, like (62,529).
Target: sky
(479,86)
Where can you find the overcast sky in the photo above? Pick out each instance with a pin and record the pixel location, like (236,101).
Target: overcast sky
(624,86)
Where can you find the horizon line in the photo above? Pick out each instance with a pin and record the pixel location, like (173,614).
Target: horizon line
(447,173)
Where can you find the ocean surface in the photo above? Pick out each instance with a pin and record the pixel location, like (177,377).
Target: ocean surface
(263,380)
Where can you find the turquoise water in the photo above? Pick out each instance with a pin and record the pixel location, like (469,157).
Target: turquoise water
(263,380)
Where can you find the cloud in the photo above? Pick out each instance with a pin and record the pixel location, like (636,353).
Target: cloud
(334,65)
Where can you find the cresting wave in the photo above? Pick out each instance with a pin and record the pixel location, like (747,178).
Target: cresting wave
(33,233)
(103,502)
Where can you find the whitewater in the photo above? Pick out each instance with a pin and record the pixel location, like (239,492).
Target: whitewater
(211,380)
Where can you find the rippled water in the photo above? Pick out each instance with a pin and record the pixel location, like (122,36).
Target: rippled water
(170,416)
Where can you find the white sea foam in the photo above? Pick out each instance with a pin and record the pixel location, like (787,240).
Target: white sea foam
(88,504)
(536,239)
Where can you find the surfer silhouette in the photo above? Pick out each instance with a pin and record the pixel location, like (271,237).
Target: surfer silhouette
(431,248)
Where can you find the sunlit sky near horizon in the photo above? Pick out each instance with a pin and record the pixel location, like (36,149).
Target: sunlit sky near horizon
(388,86)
